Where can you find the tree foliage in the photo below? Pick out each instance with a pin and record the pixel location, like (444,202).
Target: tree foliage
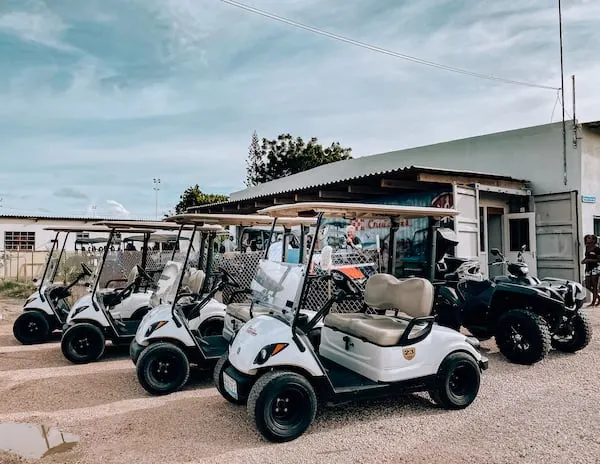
(193,196)
(286,155)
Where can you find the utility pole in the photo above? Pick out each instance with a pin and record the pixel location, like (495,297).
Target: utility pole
(562,90)
(156,188)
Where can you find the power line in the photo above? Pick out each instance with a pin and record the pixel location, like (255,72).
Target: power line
(384,50)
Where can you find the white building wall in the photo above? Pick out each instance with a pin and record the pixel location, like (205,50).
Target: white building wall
(590,176)
(42,237)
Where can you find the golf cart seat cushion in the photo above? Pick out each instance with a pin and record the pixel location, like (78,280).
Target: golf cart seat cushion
(241,311)
(413,296)
(194,280)
(382,330)
(342,321)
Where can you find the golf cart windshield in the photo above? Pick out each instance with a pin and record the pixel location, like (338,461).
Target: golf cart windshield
(276,286)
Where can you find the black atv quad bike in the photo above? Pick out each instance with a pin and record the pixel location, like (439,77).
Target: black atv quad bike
(526,320)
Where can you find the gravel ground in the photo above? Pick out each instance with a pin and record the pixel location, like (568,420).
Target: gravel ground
(547,412)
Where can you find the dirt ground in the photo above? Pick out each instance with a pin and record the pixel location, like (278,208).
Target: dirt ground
(547,412)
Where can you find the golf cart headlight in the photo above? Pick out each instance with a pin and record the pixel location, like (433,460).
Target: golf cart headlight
(155,326)
(268,351)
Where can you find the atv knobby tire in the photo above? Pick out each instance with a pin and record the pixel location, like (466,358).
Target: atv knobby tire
(523,336)
(580,336)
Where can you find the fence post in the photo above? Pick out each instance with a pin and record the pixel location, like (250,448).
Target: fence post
(18,264)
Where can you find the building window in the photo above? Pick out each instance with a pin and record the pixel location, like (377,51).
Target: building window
(82,235)
(597,227)
(519,234)
(15,241)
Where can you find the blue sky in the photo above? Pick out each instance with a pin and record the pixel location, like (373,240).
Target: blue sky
(98,97)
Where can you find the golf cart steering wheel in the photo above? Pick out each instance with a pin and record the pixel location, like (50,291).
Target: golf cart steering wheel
(228,278)
(86,270)
(345,283)
(142,272)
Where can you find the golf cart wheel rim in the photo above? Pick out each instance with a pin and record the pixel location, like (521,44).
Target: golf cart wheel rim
(462,380)
(288,408)
(82,345)
(32,327)
(163,369)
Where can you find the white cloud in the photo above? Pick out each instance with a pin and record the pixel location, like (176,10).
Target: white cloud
(117,209)
(42,28)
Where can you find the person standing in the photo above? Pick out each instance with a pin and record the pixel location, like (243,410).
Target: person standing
(592,266)
(352,239)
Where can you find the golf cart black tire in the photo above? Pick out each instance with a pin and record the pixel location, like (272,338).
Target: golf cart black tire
(222,364)
(153,353)
(582,335)
(97,343)
(212,326)
(260,405)
(443,394)
(537,333)
(21,325)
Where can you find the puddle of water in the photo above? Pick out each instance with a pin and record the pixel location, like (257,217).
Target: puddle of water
(34,441)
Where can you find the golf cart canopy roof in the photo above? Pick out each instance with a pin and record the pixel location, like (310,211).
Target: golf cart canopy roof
(91,240)
(155,238)
(356,210)
(248,220)
(90,228)
(140,225)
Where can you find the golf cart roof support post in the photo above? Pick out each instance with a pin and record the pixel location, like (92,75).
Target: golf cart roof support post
(209,260)
(182,273)
(272,231)
(54,245)
(391,265)
(302,238)
(104,255)
(202,240)
(305,279)
(432,242)
(145,249)
(60,255)
(285,241)
(179,232)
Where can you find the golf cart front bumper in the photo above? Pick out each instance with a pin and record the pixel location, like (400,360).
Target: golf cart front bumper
(237,384)
(135,349)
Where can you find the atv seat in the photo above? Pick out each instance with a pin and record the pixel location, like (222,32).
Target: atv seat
(414,297)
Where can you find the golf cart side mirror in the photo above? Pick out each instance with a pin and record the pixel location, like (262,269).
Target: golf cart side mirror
(495,251)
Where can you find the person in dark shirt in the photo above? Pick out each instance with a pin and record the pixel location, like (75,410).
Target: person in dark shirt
(592,266)
(352,239)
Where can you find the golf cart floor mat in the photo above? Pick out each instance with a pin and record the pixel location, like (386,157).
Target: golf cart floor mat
(213,346)
(127,327)
(343,378)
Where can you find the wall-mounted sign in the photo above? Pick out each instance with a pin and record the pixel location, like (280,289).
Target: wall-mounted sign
(588,198)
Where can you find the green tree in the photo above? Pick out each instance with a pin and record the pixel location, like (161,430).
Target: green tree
(193,196)
(287,155)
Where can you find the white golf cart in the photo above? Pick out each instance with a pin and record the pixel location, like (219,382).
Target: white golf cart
(46,310)
(273,366)
(287,248)
(94,318)
(171,337)
(167,342)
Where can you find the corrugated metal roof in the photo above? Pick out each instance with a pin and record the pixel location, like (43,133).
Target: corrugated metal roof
(343,171)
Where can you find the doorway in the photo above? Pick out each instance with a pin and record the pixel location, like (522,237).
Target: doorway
(495,232)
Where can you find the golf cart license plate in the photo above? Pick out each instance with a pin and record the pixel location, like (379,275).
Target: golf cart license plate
(230,385)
